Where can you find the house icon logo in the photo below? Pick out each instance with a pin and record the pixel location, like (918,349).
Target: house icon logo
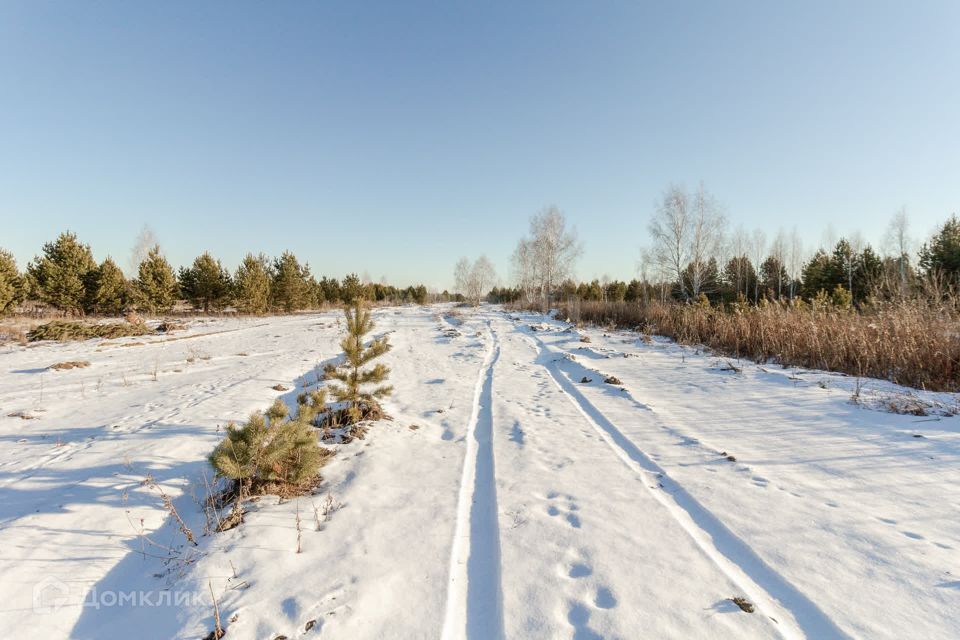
(49,595)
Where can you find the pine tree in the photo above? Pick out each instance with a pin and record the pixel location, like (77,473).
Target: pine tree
(331,289)
(111,293)
(261,453)
(351,374)
(420,294)
(352,288)
(156,283)
(64,276)
(773,277)
(238,456)
(252,284)
(291,286)
(206,284)
(941,256)
(817,276)
(316,293)
(12,286)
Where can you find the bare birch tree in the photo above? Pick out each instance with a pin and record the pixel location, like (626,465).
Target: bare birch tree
(523,266)
(899,244)
(145,241)
(482,277)
(778,250)
(670,230)
(461,276)
(759,246)
(555,249)
(687,232)
(795,261)
(739,246)
(542,261)
(706,235)
(474,280)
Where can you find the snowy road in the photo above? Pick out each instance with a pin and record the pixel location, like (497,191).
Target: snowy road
(508,497)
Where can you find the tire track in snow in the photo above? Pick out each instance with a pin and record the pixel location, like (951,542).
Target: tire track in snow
(474,606)
(734,557)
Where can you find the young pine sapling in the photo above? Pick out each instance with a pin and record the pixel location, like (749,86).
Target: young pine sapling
(354,380)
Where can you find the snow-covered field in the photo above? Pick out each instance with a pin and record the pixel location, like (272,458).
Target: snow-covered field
(506,498)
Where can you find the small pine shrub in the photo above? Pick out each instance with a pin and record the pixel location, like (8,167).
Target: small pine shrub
(353,378)
(271,453)
(238,456)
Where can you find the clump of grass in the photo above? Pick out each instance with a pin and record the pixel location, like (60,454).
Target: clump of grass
(169,325)
(68,331)
(913,343)
(70,364)
(744,604)
(13,332)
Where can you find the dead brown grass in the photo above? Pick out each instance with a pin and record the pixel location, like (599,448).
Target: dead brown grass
(913,343)
(70,364)
(14,331)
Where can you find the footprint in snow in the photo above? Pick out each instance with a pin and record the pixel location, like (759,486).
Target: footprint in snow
(553,510)
(578,615)
(605,599)
(580,570)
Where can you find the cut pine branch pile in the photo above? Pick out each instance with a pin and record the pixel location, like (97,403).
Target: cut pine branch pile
(66,331)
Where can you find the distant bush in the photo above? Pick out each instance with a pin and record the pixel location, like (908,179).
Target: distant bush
(913,343)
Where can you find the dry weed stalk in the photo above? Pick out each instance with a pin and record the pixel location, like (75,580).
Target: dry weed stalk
(171,509)
(914,343)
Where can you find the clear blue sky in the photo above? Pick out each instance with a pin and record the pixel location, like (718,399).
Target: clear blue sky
(393,137)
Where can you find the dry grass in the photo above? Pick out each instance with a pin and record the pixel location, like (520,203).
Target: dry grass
(70,364)
(911,343)
(14,331)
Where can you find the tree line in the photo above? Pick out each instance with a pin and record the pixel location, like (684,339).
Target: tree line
(693,257)
(65,276)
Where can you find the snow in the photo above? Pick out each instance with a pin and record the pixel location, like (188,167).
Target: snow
(524,504)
